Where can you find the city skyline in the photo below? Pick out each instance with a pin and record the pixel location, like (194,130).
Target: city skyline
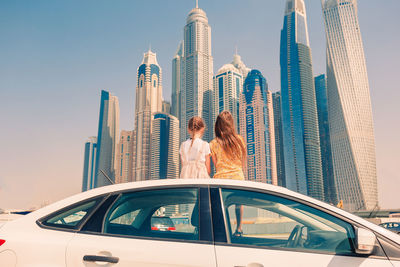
(166,66)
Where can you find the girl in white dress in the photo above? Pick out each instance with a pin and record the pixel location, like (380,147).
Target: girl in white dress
(195,153)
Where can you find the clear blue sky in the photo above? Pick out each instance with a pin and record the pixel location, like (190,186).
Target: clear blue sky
(56,56)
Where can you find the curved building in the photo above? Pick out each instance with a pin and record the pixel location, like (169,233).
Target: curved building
(148,101)
(257,128)
(302,155)
(349,103)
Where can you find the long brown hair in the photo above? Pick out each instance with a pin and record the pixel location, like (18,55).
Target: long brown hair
(195,125)
(228,138)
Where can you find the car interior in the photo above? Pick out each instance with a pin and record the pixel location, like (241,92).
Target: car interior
(305,230)
(132,214)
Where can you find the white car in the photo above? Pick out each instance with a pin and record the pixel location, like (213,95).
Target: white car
(112,226)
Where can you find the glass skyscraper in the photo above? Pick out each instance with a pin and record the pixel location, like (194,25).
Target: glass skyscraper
(107,139)
(280,162)
(197,84)
(257,128)
(302,155)
(325,142)
(349,104)
(89,164)
(165,147)
(148,101)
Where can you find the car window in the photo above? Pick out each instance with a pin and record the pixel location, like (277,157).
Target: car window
(70,217)
(161,213)
(271,221)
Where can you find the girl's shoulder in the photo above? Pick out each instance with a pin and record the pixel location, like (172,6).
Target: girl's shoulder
(203,143)
(185,142)
(214,143)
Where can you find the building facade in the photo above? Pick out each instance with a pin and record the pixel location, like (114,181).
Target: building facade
(197,84)
(176,81)
(89,164)
(302,155)
(228,84)
(349,107)
(166,107)
(257,128)
(165,147)
(148,101)
(280,161)
(325,142)
(107,139)
(125,157)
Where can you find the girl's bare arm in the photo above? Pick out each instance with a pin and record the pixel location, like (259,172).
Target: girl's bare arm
(208,166)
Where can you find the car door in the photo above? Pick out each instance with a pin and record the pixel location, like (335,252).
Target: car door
(135,229)
(278,231)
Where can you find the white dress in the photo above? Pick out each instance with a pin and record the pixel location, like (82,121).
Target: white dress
(193,158)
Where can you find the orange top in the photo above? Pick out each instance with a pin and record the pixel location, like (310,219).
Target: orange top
(226,167)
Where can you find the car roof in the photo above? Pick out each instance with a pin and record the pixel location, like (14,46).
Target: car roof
(202,182)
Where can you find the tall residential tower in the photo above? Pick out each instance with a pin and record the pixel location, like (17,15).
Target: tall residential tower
(257,128)
(125,157)
(350,113)
(302,155)
(197,83)
(164,147)
(177,81)
(228,85)
(148,101)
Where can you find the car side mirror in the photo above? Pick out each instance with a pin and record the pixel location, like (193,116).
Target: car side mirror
(365,241)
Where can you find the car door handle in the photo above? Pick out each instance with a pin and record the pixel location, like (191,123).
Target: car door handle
(253,264)
(101,258)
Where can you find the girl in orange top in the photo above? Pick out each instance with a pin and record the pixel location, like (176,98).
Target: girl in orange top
(228,152)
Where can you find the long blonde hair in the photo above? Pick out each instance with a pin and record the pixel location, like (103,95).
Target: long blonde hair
(228,138)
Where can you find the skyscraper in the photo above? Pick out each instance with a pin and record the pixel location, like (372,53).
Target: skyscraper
(176,81)
(166,107)
(125,157)
(349,107)
(238,63)
(89,164)
(148,101)
(197,84)
(107,139)
(302,155)
(165,147)
(257,128)
(228,84)
(280,163)
(325,142)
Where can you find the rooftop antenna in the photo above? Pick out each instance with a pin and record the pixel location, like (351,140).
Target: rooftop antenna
(197,3)
(149,47)
(236,50)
